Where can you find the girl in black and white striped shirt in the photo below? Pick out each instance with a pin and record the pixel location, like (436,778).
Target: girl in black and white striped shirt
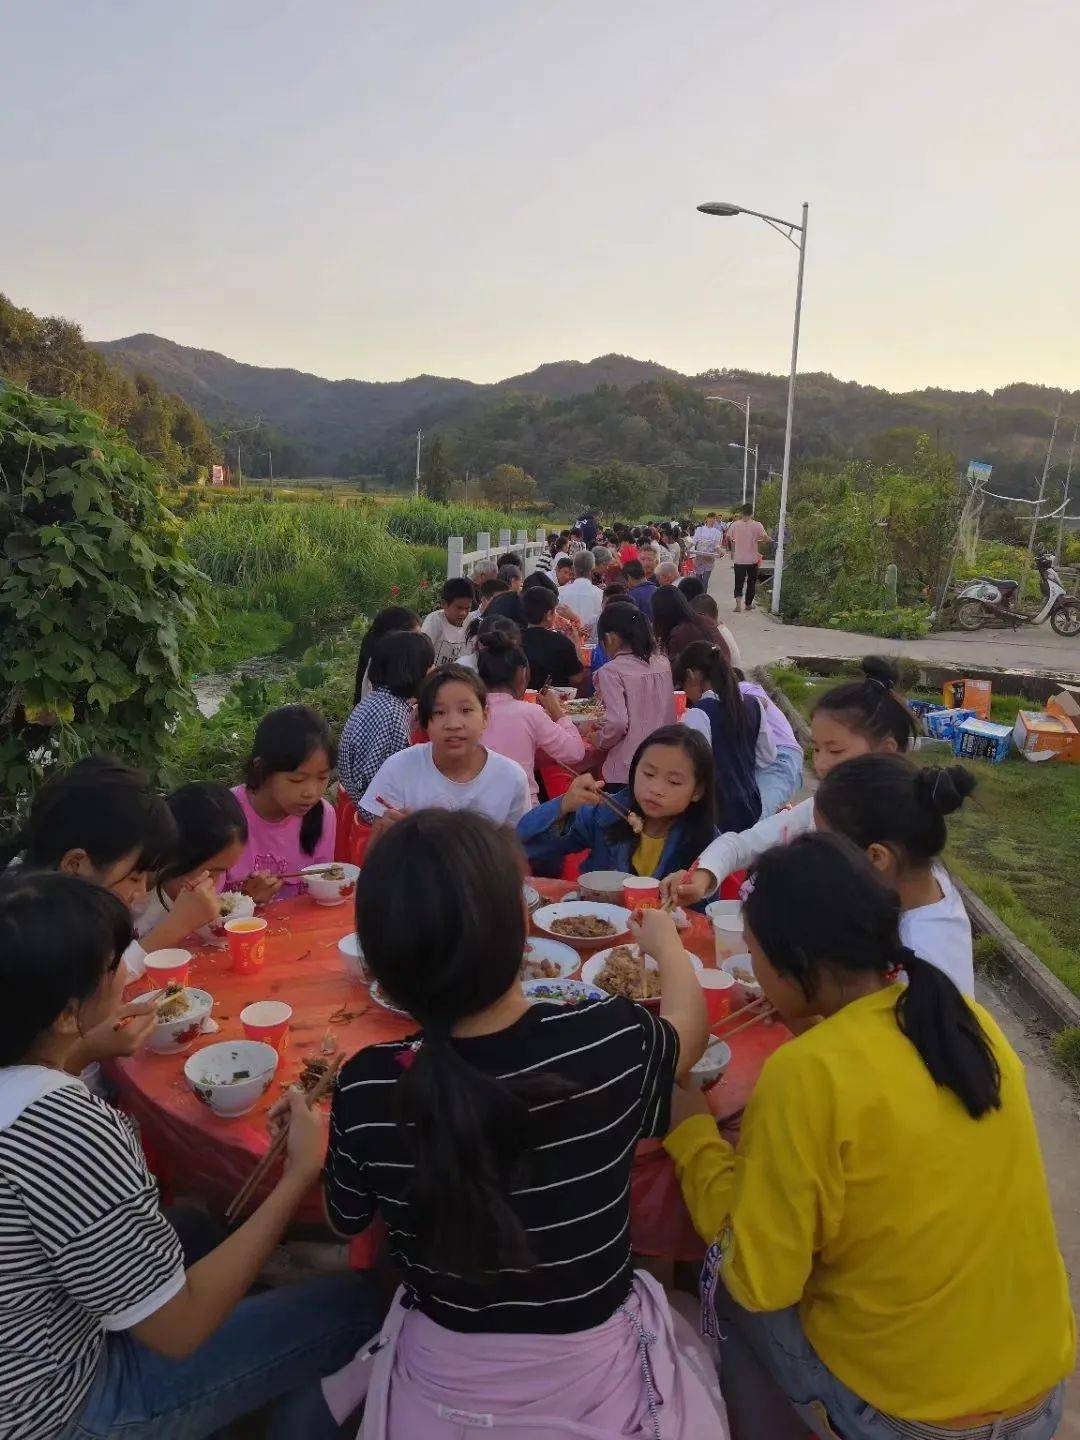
(497,1142)
(102,1330)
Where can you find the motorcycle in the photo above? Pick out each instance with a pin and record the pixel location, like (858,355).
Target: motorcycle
(985,599)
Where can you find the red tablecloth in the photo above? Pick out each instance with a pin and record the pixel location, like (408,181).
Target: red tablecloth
(196,1151)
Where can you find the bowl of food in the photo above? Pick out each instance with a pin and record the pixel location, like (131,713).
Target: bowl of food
(566,693)
(352,953)
(234,906)
(710,1068)
(548,960)
(179,1015)
(583,923)
(618,971)
(603,885)
(532,898)
(562,992)
(231,1077)
(741,970)
(584,712)
(331,884)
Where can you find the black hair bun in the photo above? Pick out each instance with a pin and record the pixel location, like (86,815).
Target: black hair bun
(880,671)
(944,789)
(497,641)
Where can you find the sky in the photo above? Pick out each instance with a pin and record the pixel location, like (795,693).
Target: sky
(383,188)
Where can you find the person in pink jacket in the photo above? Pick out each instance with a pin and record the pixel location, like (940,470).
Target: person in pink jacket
(517,728)
(635,687)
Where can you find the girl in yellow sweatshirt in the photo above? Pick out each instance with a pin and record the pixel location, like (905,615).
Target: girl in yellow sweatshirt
(883,1237)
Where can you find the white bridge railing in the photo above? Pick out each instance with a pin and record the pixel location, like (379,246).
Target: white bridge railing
(460,561)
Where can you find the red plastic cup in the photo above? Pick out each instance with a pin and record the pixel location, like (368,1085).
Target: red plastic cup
(530,696)
(641,892)
(585,654)
(166,966)
(719,988)
(247,944)
(680,704)
(268,1021)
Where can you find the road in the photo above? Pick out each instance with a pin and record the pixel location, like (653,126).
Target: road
(1036,649)
(1054,1100)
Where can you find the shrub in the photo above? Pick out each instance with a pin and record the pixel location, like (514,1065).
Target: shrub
(1065,1046)
(890,624)
(101,613)
(429,522)
(989,960)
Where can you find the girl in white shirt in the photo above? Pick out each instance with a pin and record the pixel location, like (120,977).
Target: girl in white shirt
(211,833)
(454,770)
(895,811)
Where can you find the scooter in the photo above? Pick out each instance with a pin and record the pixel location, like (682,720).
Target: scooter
(985,599)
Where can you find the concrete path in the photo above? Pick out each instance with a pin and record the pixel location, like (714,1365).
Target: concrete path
(1055,1101)
(762,637)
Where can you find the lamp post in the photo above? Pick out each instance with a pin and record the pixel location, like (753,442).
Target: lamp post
(789,229)
(751,450)
(746,444)
(416,483)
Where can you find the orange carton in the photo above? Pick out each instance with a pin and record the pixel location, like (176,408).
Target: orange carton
(1067,708)
(969,695)
(1041,736)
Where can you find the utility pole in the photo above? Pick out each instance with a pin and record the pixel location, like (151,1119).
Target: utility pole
(239,468)
(1065,497)
(466,487)
(1037,509)
(270,463)
(416,486)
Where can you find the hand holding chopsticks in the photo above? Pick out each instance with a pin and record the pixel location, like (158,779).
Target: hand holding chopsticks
(601,797)
(322,1087)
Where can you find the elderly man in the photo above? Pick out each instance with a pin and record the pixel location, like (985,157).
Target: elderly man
(581,595)
(484,570)
(667,573)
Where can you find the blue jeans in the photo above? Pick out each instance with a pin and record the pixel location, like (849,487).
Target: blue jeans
(776,1385)
(778,782)
(273,1347)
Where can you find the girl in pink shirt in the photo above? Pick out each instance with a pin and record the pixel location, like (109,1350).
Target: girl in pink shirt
(635,686)
(290,825)
(517,728)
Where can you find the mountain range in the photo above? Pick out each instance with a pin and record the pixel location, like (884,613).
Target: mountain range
(334,426)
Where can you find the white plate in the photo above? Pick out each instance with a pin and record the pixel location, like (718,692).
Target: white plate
(567,959)
(532,896)
(381,998)
(566,909)
(562,992)
(592,967)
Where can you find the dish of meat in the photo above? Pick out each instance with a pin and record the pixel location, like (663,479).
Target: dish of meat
(584,927)
(583,923)
(622,975)
(548,960)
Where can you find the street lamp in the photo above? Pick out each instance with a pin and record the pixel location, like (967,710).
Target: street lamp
(789,229)
(752,450)
(746,410)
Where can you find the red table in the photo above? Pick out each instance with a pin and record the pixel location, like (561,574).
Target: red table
(197,1151)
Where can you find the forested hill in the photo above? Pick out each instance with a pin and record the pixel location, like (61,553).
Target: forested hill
(571,411)
(50,357)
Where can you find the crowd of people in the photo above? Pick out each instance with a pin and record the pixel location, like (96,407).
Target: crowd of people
(882,1257)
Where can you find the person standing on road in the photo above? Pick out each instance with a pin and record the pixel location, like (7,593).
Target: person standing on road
(743,537)
(707,540)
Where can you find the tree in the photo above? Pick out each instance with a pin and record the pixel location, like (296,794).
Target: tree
(622,492)
(101,612)
(508,487)
(436,477)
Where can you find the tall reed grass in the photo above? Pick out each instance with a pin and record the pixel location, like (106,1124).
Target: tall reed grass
(427,522)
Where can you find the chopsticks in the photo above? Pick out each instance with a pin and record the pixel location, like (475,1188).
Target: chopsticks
(604,798)
(672,902)
(322,1087)
(761,1009)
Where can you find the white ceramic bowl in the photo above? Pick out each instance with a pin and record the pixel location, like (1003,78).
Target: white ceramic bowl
(592,967)
(712,1064)
(171,1037)
(750,988)
(241,907)
(603,885)
(210,1072)
(566,693)
(331,892)
(562,992)
(532,898)
(568,909)
(562,955)
(725,915)
(353,956)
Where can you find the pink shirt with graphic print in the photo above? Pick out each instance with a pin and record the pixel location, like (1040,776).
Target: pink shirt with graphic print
(273,846)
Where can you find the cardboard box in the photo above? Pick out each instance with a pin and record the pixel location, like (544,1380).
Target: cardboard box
(982,740)
(968,694)
(1068,708)
(1041,736)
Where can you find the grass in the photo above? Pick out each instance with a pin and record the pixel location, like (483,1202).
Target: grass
(1014,842)
(244,633)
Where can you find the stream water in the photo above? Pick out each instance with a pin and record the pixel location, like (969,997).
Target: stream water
(212,688)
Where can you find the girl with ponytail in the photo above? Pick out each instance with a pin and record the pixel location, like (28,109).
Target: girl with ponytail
(520,730)
(896,811)
(634,685)
(859,717)
(884,1238)
(497,1142)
